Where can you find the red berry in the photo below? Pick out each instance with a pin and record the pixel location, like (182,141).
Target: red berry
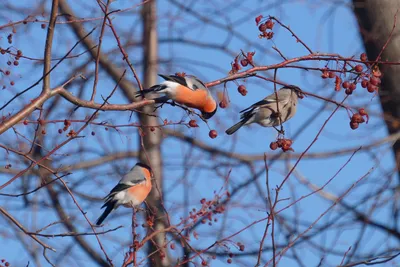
(16,63)
(332,74)
(43,26)
(269,24)
(358,68)
(353,125)
(204,263)
(364,83)
(172,246)
(60,131)
(362,112)
(375,80)
(222,104)
(8,72)
(371,88)
(325,74)
(152,129)
(258,19)
(7,264)
(363,57)
(12,83)
(346,84)
(244,62)
(193,123)
(262,27)
(8,63)
(229,261)
(2,51)
(19,52)
(241,247)
(348,91)
(273,145)
(242,90)
(25,122)
(44,131)
(213,134)
(352,86)
(357,118)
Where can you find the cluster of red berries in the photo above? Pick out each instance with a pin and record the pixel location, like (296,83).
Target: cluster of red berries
(263,27)
(10,62)
(358,118)
(240,61)
(283,143)
(369,81)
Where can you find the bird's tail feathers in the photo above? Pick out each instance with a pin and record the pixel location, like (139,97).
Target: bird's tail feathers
(154,88)
(235,127)
(244,118)
(110,205)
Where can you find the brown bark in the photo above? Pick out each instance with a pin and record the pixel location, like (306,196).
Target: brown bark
(376,20)
(150,141)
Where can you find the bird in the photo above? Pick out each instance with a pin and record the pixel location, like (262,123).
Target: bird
(130,192)
(265,112)
(188,91)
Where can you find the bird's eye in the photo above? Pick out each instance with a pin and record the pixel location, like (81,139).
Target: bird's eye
(195,87)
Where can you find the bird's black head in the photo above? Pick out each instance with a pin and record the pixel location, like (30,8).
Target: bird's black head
(144,166)
(207,115)
(297,90)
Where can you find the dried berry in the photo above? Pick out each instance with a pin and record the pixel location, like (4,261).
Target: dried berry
(348,91)
(372,88)
(354,125)
(357,118)
(223,104)
(375,80)
(346,84)
(332,74)
(244,62)
(363,57)
(258,19)
(193,123)
(273,145)
(269,24)
(358,68)
(262,27)
(213,134)
(242,90)
(352,86)
(364,83)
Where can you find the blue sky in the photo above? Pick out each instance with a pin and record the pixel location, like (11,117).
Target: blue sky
(324,26)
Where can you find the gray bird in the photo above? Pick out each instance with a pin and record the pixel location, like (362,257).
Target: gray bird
(265,112)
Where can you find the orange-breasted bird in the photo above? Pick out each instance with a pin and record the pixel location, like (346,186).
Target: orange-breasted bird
(265,112)
(130,192)
(188,91)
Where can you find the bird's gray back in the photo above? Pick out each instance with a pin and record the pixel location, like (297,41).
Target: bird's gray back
(134,176)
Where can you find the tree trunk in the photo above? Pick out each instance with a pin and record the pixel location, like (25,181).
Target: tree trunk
(376,20)
(150,149)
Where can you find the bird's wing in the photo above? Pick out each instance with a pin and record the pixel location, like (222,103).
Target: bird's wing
(174,78)
(268,100)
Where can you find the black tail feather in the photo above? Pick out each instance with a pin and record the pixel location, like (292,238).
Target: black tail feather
(152,89)
(244,118)
(110,205)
